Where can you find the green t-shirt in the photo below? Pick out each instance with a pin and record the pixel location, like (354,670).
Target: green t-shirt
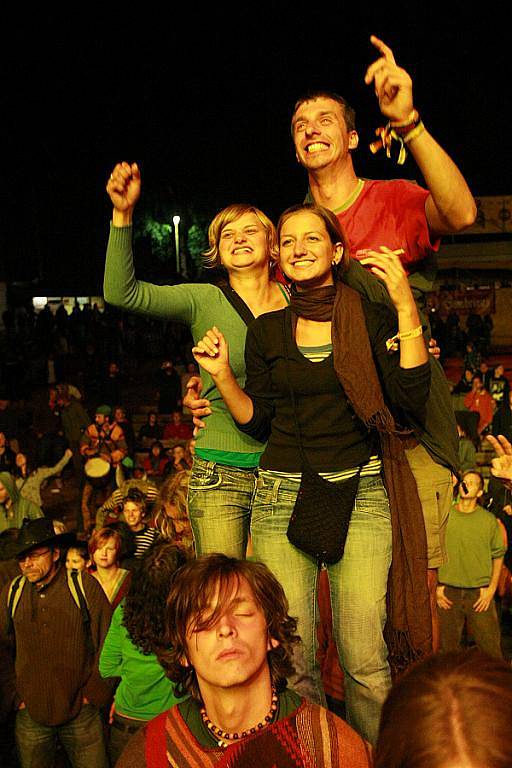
(473,541)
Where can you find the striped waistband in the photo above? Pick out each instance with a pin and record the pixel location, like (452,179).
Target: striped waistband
(372,467)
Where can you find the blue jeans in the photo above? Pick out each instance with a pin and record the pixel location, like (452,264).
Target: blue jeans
(82,739)
(219,506)
(358,584)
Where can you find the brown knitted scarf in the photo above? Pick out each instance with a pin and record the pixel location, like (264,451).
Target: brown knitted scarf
(408,631)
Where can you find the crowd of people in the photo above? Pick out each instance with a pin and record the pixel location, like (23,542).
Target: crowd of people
(178,625)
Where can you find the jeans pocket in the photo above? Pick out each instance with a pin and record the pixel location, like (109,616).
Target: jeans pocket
(273,499)
(205,476)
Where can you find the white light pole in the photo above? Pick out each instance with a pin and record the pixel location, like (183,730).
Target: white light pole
(176,222)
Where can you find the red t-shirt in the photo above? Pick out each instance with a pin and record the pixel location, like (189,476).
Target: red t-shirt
(177,431)
(390,213)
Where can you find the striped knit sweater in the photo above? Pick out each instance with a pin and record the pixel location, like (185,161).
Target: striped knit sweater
(309,736)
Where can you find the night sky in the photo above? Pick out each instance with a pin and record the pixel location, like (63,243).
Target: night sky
(203,104)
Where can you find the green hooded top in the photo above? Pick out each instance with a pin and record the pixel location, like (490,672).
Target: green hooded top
(12,514)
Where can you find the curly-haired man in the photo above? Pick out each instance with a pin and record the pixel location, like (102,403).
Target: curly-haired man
(228,645)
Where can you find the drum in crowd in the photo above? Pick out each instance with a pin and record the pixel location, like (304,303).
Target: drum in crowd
(98,471)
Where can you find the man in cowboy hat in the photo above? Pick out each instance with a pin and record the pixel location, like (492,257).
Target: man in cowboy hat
(50,640)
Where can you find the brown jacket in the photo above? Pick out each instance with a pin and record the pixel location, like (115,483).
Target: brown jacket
(47,664)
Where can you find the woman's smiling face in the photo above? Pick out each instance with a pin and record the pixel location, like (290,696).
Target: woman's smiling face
(243,243)
(306,253)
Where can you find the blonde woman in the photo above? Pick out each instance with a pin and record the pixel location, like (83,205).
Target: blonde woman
(242,241)
(172,518)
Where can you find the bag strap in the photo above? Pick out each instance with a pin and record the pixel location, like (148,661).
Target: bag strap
(236,302)
(76,587)
(14,594)
(298,433)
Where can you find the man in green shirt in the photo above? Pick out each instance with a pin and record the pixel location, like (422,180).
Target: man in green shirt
(468,582)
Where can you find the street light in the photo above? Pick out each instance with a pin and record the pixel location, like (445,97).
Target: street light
(176,222)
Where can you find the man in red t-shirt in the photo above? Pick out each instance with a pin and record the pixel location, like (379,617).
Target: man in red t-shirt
(398,215)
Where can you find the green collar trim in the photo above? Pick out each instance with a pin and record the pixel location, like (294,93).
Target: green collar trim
(352,198)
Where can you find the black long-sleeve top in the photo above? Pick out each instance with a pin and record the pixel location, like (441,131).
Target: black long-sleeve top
(333,437)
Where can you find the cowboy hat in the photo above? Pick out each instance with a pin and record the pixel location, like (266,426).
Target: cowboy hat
(37,533)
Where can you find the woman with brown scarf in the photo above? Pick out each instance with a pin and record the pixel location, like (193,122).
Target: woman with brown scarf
(319,375)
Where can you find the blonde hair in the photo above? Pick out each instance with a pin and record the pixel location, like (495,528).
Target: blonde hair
(211,256)
(173,491)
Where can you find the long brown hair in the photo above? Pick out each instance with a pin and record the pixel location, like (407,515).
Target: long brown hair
(332,225)
(193,590)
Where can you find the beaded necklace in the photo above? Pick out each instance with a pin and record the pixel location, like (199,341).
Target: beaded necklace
(224,738)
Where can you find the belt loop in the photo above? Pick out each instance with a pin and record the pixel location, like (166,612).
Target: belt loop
(275,490)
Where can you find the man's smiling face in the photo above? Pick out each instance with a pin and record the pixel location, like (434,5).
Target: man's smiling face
(320,133)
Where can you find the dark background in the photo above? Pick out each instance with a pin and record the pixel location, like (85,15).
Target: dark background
(202,101)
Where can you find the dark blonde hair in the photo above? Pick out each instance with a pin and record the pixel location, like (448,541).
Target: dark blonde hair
(451,709)
(331,223)
(211,256)
(193,590)
(173,491)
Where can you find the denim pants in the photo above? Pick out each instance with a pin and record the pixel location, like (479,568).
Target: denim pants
(219,506)
(357,583)
(82,739)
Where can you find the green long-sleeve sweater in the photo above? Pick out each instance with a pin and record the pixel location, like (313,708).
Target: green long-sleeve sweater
(199,306)
(144,691)
(30,487)
(15,508)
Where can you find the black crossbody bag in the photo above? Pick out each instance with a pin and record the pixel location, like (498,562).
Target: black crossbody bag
(321,516)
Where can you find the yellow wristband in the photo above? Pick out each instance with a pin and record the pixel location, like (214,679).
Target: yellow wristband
(414,133)
(414,334)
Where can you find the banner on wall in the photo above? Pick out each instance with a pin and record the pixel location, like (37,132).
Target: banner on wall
(463,301)
(494,215)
